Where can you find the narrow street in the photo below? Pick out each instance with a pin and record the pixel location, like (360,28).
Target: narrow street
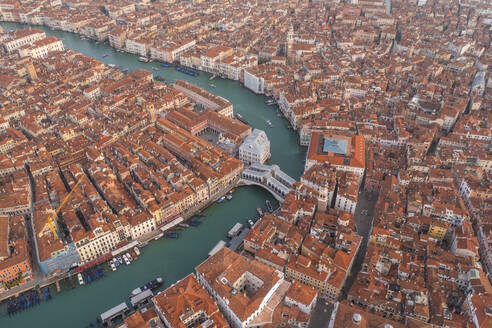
(364,213)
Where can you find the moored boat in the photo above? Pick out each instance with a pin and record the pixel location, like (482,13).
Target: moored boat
(240,118)
(185,70)
(173,235)
(111,264)
(81,280)
(153,284)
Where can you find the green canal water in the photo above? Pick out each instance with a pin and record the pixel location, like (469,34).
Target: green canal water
(171,259)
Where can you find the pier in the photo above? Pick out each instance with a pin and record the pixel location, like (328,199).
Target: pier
(111,314)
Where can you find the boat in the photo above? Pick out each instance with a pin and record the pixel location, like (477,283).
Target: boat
(130,258)
(81,280)
(165,64)
(173,235)
(260,211)
(269,123)
(105,55)
(270,102)
(240,118)
(235,230)
(93,275)
(112,65)
(144,244)
(221,199)
(120,259)
(251,223)
(213,76)
(187,71)
(143,59)
(111,264)
(27,300)
(153,284)
(116,262)
(159,236)
(159,78)
(195,223)
(124,70)
(136,250)
(229,197)
(212,85)
(184,225)
(127,261)
(269,206)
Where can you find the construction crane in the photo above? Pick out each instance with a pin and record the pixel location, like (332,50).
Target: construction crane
(51,220)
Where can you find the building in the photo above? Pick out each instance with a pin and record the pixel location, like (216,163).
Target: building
(19,38)
(246,291)
(346,153)
(17,266)
(325,277)
(187,304)
(302,296)
(42,48)
(97,243)
(205,98)
(171,51)
(255,148)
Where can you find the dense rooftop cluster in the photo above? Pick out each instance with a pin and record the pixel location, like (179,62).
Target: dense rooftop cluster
(71,126)
(391,98)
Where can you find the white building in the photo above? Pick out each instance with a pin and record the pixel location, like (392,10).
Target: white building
(137,47)
(171,51)
(255,148)
(141,224)
(42,48)
(345,204)
(254,82)
(98,243)
(20,38)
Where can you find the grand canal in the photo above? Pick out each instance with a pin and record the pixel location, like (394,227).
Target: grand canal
(176,258)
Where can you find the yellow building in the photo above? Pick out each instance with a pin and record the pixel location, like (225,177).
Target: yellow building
(438,229)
